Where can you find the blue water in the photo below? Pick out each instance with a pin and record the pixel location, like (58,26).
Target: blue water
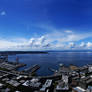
(53,59)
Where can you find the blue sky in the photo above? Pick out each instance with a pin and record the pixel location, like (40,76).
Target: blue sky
(45,24)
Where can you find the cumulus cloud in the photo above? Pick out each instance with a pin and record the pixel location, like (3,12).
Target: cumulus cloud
(89,45)
(82,44)
(71,45)
(38,42)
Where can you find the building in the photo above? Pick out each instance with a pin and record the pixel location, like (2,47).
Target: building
(46,86)
(78,89)
(89,89)
(62,86)
(34,83)
(90,69)
(84,82)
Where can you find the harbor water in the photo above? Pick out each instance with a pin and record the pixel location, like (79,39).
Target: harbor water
(52,60)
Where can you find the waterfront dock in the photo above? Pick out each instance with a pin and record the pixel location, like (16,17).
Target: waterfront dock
(19,65)
(52,70)
(32,69)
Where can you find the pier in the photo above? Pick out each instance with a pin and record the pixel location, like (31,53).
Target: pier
(52,70)
(20,65)
(32,69)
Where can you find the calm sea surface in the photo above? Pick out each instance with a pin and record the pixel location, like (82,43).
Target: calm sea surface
(53,59)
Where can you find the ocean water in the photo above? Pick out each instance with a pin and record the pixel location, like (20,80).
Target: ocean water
(52,60)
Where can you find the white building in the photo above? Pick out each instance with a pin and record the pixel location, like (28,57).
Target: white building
(65,79)
(78,89)
(89,89)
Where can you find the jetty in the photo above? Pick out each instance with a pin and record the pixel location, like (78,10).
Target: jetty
(19,65)
(32,69)
(52,70)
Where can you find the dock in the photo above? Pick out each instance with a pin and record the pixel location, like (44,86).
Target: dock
(20,65)
(52,70)
(32,69)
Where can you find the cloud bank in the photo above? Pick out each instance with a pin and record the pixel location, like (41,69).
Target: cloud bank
(65,40)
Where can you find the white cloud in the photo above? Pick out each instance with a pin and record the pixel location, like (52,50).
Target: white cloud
(3,13)
(41,44)
(68,31)
(71,45)
(56,40)
(89,45)
(82,44)
(63,35)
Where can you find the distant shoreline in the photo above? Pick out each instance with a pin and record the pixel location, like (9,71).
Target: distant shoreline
(69,51)
(22,52)
(39,52)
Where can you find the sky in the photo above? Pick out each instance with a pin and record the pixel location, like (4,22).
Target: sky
(45,25)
